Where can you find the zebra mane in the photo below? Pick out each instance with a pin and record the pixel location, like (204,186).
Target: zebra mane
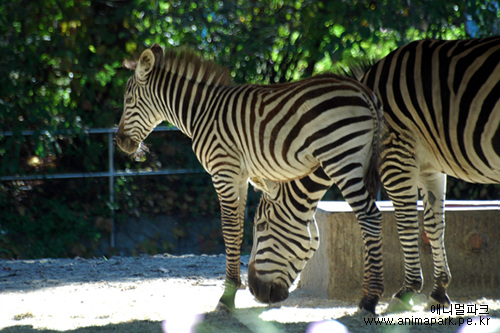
(186,62)
(356,70)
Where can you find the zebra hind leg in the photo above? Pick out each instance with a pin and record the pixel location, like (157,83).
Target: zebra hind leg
(407,225)
(433,195)
(370,221)
(400,175)
(400,183)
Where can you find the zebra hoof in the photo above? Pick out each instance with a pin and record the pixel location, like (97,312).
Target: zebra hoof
(363,313)
(221,307)
(433,303)
(439,297)
(368,304)
(227,299)
(397,305)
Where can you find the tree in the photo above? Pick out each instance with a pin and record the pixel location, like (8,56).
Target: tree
(61,66)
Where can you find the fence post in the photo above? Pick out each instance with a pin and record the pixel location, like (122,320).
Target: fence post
(111,187)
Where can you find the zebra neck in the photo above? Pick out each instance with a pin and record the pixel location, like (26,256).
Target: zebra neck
(188,103)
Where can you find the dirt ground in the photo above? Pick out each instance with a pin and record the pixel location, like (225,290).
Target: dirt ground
(166,293)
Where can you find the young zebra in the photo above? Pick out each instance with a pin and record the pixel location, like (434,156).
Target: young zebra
(275,132)
(441,103)
(285,233)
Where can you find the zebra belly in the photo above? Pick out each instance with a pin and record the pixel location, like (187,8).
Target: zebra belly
(470,168)
(468,154)
(280,171)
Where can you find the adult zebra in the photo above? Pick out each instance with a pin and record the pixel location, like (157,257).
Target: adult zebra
(275,133)
(441,103)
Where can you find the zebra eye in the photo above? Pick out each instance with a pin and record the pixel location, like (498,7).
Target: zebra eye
(261,226)
(129,100)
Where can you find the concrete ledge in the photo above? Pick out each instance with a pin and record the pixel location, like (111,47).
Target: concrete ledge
(472,240)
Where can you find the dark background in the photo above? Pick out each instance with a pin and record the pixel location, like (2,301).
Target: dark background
(61,73)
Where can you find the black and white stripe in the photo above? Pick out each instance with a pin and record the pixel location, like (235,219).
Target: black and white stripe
(285,233)
(275,133)
(441,103)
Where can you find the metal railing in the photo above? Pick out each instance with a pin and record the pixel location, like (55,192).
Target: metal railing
(111,173)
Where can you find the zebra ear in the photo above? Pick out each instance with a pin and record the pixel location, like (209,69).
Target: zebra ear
(267,186)
(145,65)
(147,62)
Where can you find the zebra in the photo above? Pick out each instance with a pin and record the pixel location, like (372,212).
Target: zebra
(441,102)
(285,233)
(262,133)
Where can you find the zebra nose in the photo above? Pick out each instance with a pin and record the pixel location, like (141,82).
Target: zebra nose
(265,291)
(125,143)
(118,139)
(277,292)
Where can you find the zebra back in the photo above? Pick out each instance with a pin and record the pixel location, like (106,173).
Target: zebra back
(443,96)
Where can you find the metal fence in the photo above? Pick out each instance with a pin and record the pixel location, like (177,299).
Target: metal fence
(111,174)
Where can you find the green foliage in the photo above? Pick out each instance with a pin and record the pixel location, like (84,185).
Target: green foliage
(61,72)
(39,224)
(276,41)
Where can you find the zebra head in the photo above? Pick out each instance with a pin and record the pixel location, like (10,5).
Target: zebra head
(140,116)
(285,234)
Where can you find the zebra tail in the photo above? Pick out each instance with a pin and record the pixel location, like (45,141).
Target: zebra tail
(357,71)
(372,176)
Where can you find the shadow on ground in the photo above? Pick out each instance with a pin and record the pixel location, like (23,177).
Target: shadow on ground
(30,275)
(241,321)
(248,321)
(133,326)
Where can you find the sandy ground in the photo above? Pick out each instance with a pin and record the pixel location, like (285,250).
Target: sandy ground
(178,294)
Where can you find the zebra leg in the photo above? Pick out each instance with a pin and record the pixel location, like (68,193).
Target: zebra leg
(232,196)
(407,225)
(399,179)
(370,221)
(433,195)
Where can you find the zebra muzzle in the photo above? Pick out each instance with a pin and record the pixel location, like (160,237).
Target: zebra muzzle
(126,144)
(266,291)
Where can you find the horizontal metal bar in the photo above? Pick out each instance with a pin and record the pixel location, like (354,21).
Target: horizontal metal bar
(157,173)
(86,131)
(96,174)
(101,174)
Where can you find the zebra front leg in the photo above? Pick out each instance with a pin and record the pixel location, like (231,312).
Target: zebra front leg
(433,195)
(232,196)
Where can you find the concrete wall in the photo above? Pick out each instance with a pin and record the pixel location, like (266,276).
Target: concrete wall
(472,240)
(165,234)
